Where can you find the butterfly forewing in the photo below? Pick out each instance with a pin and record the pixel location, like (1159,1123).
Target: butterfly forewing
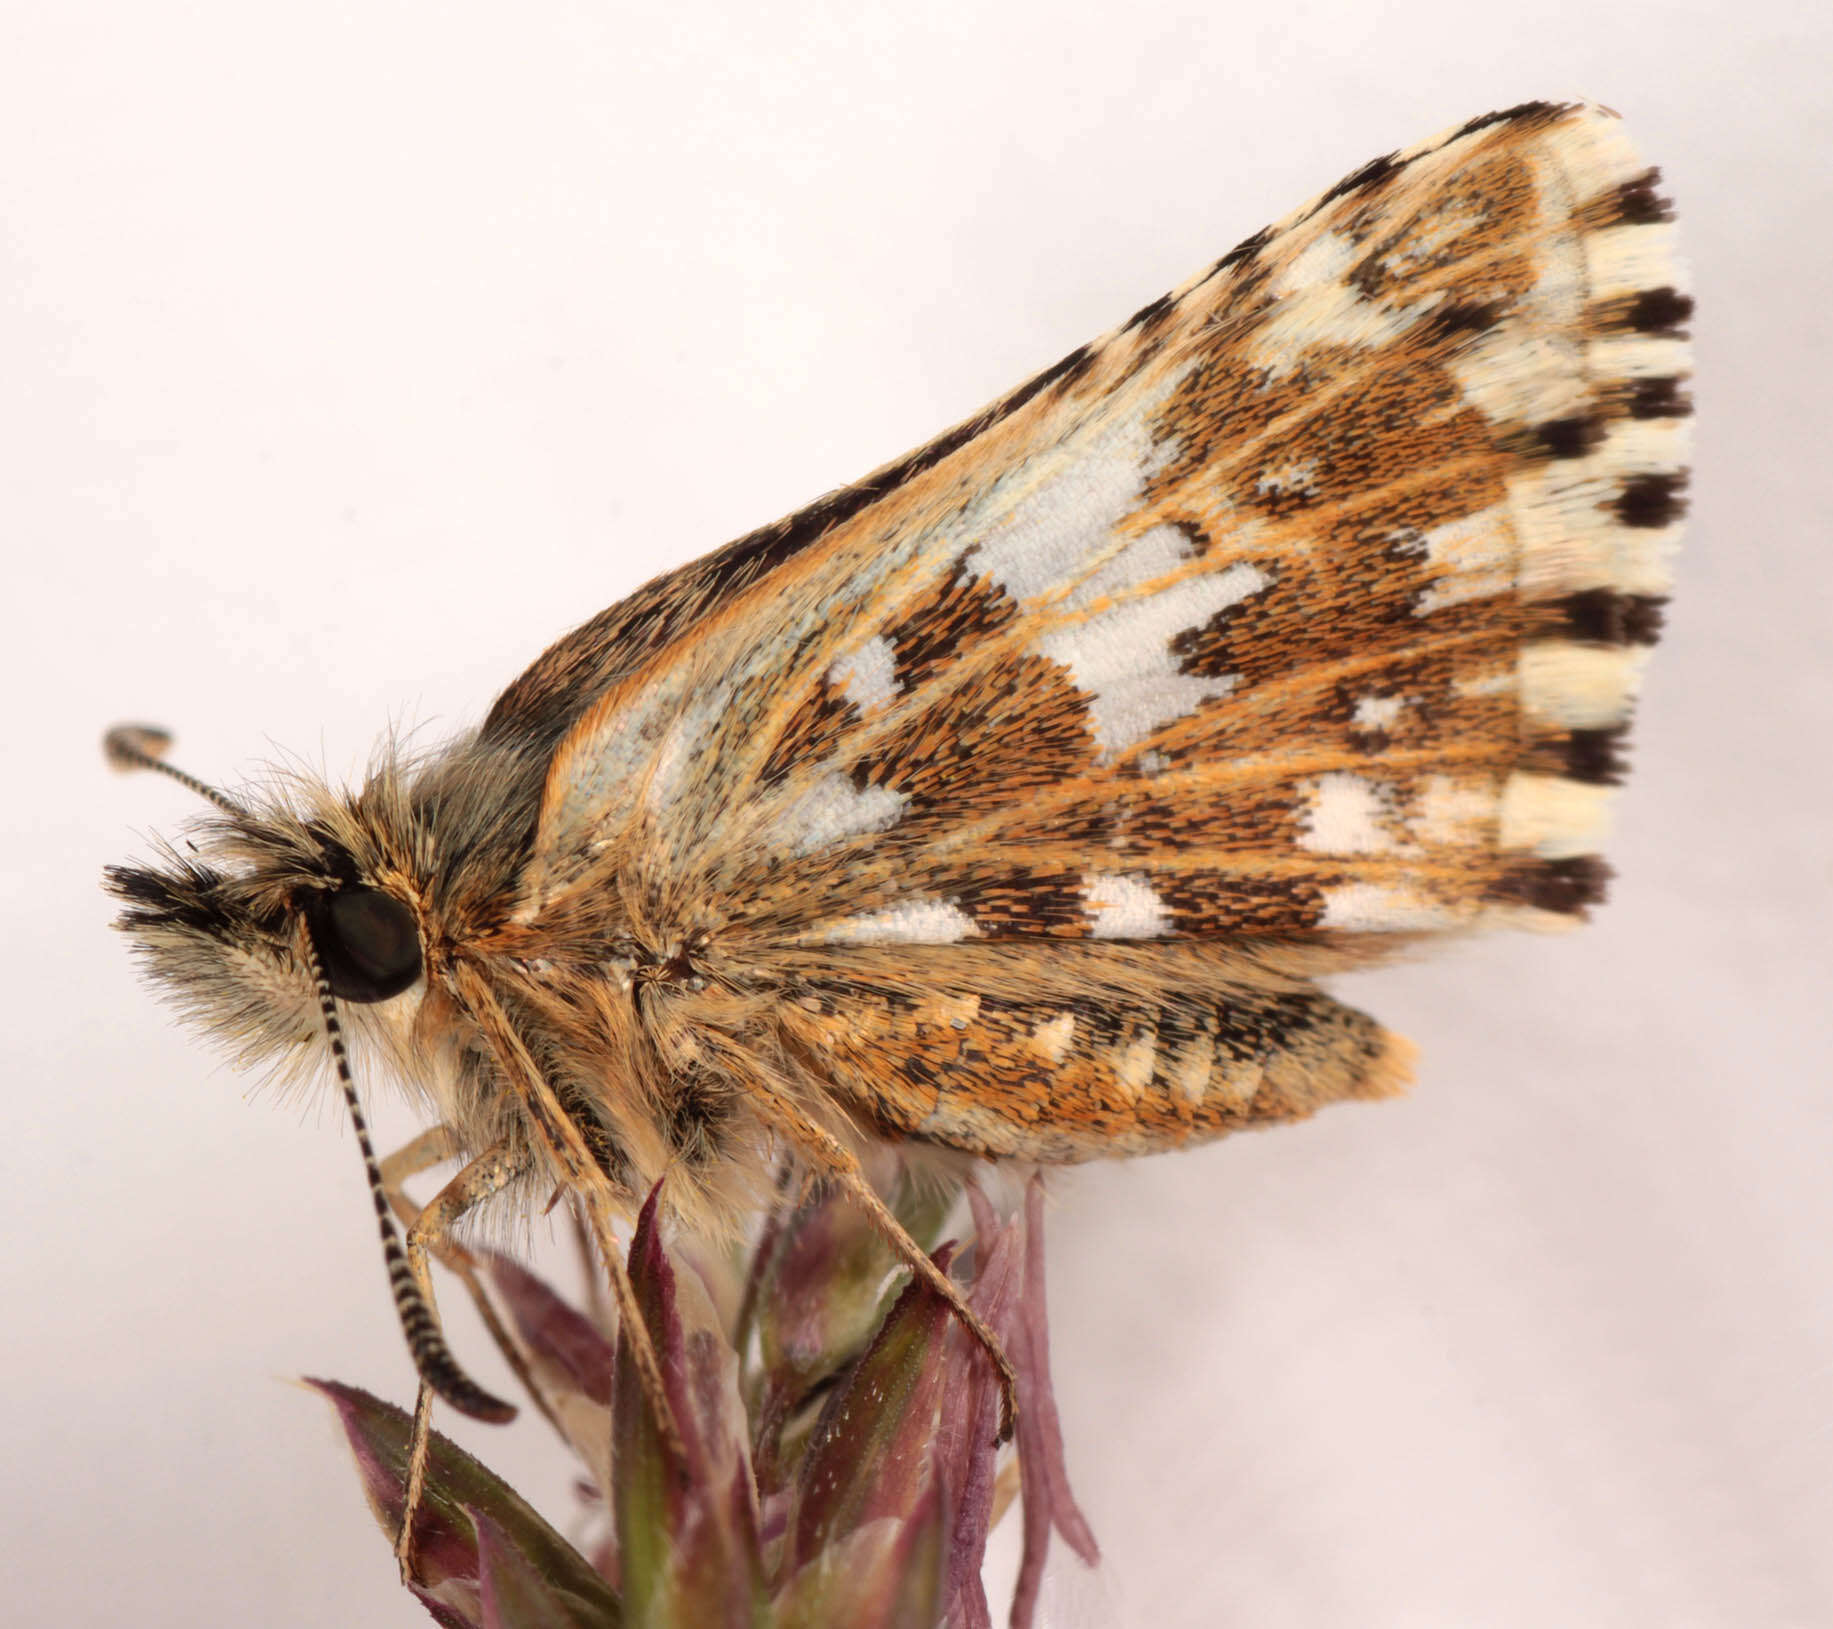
(1305,609)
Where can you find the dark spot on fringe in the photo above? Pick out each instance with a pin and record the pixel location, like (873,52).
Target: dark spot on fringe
(1642,614)
(1456,318)
(1371,175)
(1507,115)
(1659,311)
(1595,757)
(1651,500)
(1148,317)
(1602,616)
(1569,886)
(1637,203)
(1658,399)
(1569,438)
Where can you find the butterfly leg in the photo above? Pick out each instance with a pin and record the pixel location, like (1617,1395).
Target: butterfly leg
(837,1163)
(435,1146)
(429,1233)
(565,1142)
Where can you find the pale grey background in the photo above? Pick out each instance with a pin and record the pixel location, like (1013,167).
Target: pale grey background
(347,354)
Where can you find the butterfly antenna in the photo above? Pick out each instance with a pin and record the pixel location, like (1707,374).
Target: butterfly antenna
(432,1357)
(143,746)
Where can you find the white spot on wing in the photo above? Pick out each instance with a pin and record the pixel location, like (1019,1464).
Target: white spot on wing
(1377,712)
(1476,555)
(1155,553)
(1071,515)
(1238,1084)
(1289,480)
(1517,372)
(958,1012)
(1122,657)
(1051,1039)
(917,922)
(867,677)
(1345,814)
(1123,907)
(833,809)
(1190,1079)
(681,745)
(604,772)
(1133,1067)
(1043,526)
(1317,305)
(1498,683)
(1426,238)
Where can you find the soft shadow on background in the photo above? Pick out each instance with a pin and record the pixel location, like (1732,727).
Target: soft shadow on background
(351,355)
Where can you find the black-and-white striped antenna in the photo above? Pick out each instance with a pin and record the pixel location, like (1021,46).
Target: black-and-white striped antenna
(432,1357)
(143,746)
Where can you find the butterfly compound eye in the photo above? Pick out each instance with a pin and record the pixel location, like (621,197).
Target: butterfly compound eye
(368,942)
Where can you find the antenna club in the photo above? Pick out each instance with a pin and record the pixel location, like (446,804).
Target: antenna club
(142,746)
(135,746)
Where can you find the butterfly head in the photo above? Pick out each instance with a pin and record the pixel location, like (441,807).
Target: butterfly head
(281,919)
(224,923)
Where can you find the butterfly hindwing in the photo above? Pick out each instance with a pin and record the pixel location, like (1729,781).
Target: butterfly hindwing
(1064,1052)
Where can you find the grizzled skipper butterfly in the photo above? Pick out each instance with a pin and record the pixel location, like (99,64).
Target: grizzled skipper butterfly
(1012,801)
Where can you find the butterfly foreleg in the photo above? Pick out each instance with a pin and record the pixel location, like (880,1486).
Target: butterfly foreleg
(435,1146)
(429,1233)
(571,1156)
